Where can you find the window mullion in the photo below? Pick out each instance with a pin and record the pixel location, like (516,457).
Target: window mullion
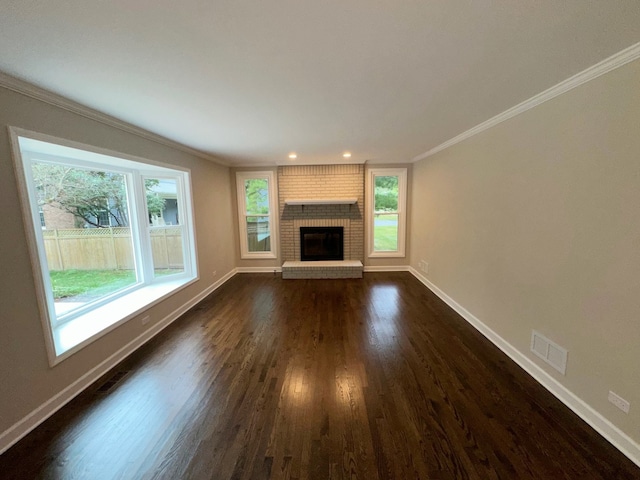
(139,231)
(184,222)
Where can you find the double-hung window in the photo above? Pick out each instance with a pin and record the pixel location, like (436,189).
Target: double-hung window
(386,208)
(106,251)
(257,209)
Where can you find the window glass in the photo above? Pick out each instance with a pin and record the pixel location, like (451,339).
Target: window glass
(256,196)
(164,223)
(386,201)
(109,236)
(88,262)
(385,219)
(258,234)
(255,211)
(386,193)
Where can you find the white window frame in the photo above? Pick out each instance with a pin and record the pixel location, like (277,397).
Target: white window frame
(267,175)
(68,333)
(401,173)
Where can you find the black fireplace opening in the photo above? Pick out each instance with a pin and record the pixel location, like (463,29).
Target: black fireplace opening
(321,243)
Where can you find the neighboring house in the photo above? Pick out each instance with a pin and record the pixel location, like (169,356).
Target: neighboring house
(54,217)
(169,215)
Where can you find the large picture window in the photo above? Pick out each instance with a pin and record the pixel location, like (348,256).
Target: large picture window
(256,214)
(386,201)
(109,235)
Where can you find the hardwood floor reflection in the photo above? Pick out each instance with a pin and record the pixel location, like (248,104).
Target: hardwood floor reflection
(370,378)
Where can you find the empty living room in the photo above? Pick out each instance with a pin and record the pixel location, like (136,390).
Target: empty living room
(320,240)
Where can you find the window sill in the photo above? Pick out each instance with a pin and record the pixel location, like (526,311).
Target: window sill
(75,334)
(386,254)
(258,256)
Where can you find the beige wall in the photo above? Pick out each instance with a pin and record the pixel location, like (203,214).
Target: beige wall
(26,380)
(535,224)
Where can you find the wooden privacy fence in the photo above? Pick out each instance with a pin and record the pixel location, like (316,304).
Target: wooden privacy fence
(258,236)
(109,248)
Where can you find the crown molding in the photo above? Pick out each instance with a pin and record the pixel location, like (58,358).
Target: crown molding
(615,61)
(30,90)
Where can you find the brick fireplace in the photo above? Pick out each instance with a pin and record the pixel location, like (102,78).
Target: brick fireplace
(322,183)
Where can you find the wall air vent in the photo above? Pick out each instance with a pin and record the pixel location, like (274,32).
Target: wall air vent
(550,352)
(108,386)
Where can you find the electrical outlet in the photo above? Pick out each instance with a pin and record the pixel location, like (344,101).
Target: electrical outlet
(146,319)
(214,272)
(619,402)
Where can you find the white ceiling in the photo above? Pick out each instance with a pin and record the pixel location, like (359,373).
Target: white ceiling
(249,81)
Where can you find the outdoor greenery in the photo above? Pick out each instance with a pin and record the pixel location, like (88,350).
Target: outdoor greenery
(385,227)
(386,194)
(257,196)
(89,194)
(155,203)
(385,236)
(91,284)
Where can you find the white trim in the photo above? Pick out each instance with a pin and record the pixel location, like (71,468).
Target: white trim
(31,147)
(615,61)
(258,269)
(30,90)
(32,246)
(129,304)
(123,159)
(387,268)
(322,264)
(274,227)
(600,424)
(22,427)
(401,173)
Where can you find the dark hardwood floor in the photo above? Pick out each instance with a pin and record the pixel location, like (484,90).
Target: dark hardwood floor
(270,378)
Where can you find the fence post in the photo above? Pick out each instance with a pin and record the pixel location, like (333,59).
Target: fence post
(113,247)
(166,246)
(56,239)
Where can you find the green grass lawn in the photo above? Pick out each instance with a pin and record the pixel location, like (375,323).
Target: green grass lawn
(93,283)
(385,236)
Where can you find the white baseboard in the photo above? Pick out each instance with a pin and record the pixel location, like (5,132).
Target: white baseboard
(387,268)
(596,420)
(21,428)
(258,269)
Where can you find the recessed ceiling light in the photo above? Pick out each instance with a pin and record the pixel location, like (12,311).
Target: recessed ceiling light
(293,156)
(346,155)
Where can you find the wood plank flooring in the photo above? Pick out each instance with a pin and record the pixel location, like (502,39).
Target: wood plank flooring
(370,378)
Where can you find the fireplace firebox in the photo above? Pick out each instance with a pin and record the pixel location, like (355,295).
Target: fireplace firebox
(321,243)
